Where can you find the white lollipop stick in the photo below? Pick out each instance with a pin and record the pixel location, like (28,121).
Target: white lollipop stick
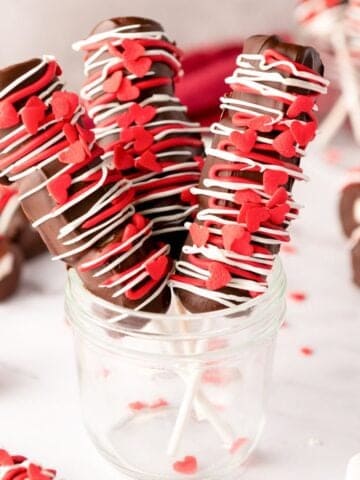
(353,468)
(194,398)
(193,395)
(184,414)
(206,410)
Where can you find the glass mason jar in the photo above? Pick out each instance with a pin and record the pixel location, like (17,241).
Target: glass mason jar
(172,396)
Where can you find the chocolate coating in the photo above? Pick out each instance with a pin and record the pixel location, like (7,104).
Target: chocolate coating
(355,261)
(257,44)
(349,199)
(30,241)
(41,203)
(11,260)
(161,69)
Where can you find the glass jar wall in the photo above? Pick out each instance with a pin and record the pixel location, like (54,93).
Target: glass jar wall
(168,396)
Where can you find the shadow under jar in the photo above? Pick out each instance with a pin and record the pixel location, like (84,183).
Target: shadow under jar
(175,396)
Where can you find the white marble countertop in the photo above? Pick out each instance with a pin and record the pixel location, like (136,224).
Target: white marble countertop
(314,417)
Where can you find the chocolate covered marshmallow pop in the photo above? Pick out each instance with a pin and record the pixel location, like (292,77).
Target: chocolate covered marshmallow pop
(349,205)
(245,200)
(349,209)
(244,193)
(82,209)
(131,68)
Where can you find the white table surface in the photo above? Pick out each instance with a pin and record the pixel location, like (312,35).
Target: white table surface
(314,416)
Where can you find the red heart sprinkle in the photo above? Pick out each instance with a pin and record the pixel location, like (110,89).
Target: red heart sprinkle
(127,91)
(272,179)
(188,197)
(139,67)
(58,188)
(143,115)
(37,473)
(278,214)
(139,221)
(122,159)
(132,49)
(138,114)
(199,234)
(188,466)
(297,296)
(254,217)
(243,196)
(127,135)
(112,84)
(244,142)
(303,133)
(64,104)
(158,268)
(137,406)
(285,145)
(5,459)
(97,151)
(85,133)
(8,115)
(129,231)
(280,196)
(219,276)
(32,114)
(160,403)
(237,444)
(143,139)
(74,154)
(148,161)
(85,146)
(87,122)
(307,351)
(71,133)
(237,239)
(230,234)
(302,104)
(35,102)
(243,246)
(263,123)
(126,119)
(289,249)
(32,117)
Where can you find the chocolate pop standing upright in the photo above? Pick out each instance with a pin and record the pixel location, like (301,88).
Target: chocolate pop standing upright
(244,194)
(82,209)
(131,68)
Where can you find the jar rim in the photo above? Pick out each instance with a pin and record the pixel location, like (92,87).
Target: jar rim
(277,285)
